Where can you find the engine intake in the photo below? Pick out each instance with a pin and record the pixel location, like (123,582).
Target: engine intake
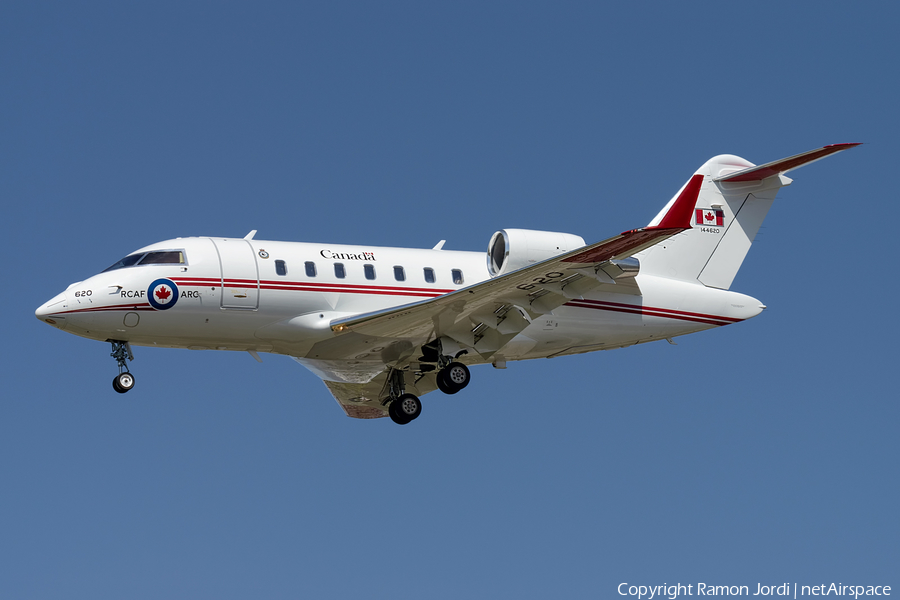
(512,249)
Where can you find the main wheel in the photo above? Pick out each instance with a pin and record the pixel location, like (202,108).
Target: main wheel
(123,382)
(405,409)
(456,376)
(394,415)
(442,385)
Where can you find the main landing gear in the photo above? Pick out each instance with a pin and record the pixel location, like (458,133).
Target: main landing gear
(452,378)
(124,381)
(403,407)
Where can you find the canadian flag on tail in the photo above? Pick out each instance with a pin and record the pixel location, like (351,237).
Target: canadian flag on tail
(710,217)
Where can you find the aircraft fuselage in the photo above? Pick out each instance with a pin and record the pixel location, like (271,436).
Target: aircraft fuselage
(265,296)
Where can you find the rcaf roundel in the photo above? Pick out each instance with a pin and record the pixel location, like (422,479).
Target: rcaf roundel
(163,294)
(711,217)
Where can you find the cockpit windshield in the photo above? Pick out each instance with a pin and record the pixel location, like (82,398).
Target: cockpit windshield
(157,257)
(166,257)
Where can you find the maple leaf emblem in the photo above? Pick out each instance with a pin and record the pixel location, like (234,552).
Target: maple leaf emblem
(709,216)
(163,293)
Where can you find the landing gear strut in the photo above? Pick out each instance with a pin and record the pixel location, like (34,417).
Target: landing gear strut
(403,407)
(124,381)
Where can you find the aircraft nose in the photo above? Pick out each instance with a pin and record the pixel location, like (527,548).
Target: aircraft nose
(54,306)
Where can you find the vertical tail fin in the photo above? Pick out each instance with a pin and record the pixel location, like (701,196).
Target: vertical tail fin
(733,202)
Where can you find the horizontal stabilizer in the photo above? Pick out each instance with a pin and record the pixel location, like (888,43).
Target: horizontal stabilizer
(784,165)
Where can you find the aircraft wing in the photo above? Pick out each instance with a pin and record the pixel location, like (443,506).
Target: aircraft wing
(361,400)
(358,400)
(485,316)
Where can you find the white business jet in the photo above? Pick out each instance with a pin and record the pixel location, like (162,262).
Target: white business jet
(384,326)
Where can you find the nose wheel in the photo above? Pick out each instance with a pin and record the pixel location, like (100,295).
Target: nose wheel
(124,381)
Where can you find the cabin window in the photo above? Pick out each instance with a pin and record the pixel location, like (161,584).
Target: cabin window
(457,276)
(429,275)
(280,267)
(370,271)
(339,271)
(399,275)
(310,269)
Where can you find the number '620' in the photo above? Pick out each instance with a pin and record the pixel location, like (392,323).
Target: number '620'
(548,278)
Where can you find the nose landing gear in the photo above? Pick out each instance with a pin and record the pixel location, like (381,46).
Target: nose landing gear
(124,381)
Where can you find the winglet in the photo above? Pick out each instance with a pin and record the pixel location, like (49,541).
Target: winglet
(784,165)
(679,215)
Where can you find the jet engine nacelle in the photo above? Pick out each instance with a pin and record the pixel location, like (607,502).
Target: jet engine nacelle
(512,249)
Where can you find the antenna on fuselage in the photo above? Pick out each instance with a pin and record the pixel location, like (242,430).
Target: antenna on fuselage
(250,235)
(439,245)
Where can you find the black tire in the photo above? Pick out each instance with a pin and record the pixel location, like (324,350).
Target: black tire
(395,416)
(442,385)
(408,407)
(123,382)
(456,376)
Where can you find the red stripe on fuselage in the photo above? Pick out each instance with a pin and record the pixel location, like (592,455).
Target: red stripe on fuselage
(314,286)
(128,307)
(206,279)
(275,285)
(325,288)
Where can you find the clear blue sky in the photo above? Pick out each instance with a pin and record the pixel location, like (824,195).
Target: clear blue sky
(761,452)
